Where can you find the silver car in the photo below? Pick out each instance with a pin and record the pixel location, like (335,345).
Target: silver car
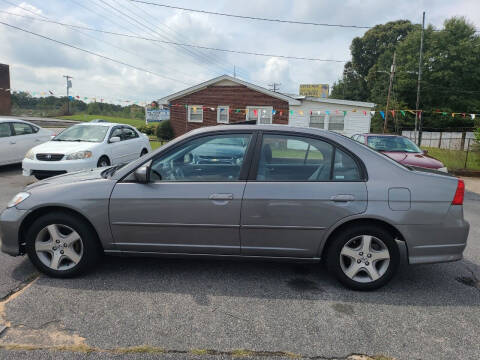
(291,193)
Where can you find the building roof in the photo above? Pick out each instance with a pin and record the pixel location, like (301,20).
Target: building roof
(291,101)
(334,101)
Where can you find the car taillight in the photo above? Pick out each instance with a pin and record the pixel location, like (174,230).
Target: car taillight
(459,194)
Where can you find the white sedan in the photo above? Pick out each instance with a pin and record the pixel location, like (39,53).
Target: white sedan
(85,146)
(17,137)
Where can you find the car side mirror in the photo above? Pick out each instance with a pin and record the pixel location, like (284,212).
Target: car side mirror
(425,152)
(114,139)
(142,174)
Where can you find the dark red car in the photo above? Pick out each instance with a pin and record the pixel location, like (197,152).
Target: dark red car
(400,149)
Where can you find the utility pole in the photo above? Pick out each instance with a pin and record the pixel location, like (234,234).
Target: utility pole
(392,75)
(234,72)
(69,85)
(418,140)
(275,86)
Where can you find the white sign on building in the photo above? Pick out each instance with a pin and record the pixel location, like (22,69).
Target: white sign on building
(156,115)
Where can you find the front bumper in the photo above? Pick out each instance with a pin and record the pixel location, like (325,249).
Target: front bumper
(10,220)
(32,167)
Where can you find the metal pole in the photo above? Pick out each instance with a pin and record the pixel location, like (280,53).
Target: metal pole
(69,85)
(392,74)
(419,77)
(466,156)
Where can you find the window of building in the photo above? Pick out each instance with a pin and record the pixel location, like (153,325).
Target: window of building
(317,121)
(195,113)
(336,122)
(260,114)
(222,114)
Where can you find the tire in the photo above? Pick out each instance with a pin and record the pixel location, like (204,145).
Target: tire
(144,152)
(359,266)
(103,161)
(68,256)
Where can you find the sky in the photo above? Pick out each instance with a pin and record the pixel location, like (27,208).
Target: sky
(38,65)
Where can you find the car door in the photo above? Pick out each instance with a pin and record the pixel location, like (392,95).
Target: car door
(7,152)
(189,206)
(132,140)
(118,150)
(299,187)
(24,138)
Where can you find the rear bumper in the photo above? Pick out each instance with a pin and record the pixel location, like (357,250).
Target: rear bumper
(437,243)
(10,221)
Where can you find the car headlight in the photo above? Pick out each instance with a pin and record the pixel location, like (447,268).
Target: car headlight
(17,199)
(444,169)
(30,155)
(79,155)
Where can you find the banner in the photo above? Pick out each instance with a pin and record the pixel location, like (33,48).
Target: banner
(156,115)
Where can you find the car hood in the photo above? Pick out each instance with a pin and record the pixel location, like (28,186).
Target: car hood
(63,147)
(414,159)
(73,177)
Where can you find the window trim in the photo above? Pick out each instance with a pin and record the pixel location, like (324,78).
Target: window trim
(252,176)
(188,113)
(260,107)
(225,108)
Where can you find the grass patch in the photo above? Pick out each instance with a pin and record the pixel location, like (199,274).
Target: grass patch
(156,144)
(113,119)
(455,159)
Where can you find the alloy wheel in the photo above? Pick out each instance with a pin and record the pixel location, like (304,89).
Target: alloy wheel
(59,247)
(364,258)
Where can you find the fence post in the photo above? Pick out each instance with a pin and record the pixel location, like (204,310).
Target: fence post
(440,141)
(466,156)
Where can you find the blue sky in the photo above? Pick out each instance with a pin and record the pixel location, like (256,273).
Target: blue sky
(38,65)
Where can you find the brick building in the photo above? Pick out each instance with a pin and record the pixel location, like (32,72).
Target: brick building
(226,100)
(5,99)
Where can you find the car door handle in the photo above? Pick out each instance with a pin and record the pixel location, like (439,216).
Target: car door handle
(221,197)
(37,139)
(342,198)
(13,142)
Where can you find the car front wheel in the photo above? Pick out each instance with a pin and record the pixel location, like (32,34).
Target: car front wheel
(61,245)
(363,257)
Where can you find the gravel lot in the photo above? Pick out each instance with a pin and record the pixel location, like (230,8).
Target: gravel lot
(176,309)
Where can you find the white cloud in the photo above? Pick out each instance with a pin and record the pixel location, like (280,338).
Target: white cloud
(38,65)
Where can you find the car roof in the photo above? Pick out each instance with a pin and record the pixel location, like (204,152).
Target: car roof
(382,135)
(13,120)
(107,124)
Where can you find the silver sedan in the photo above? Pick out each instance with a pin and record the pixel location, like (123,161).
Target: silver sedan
(243,191)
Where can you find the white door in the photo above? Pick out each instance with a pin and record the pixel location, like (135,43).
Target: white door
(133,142)
(261,114)
(25,137)
(119,150)
(6,144)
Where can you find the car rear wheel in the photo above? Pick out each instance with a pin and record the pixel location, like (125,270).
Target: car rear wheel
(61,245)
(103,161)
(363,257)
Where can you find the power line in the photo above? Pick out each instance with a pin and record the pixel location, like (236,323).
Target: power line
(92,53)
(253,17)
(175,43)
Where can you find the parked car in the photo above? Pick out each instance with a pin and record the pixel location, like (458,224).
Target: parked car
(85,146)
(298,194)
(400,149)
(17,137)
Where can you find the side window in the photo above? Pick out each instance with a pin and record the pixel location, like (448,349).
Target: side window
(117,132)
(5,130)
(345,168)
(293,158)
(361,139)
(22,129)
(129,133)
(210,158)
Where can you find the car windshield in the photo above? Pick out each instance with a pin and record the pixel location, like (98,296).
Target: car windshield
(392,143)
(83,133)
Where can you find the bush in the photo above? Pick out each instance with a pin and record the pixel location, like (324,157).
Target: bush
(149,129)
(165,130)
